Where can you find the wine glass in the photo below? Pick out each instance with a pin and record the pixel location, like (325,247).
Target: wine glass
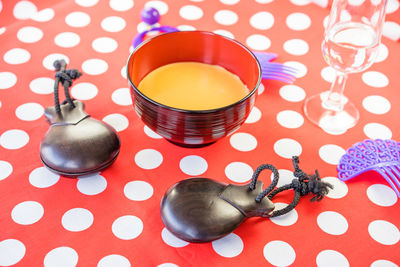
(351,43)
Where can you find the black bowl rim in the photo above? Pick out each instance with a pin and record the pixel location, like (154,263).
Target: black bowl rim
(202,111)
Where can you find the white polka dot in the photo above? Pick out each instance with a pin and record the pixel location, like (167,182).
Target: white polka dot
(49,60)
(382,53)
(27,212)
(77,19)
(262,20)
(11,252)
(377,131)
(24,10)
(301,69)
(258,42)
(104,45)
(357,2)
(114,260)
(16,56)
(260,89)
(287,219)
(127,227)
(43,15)
(86,3)
(296,47)
(67,39)
(94,66)
(332,223)
(229,2)
(143,26)
(328,74)
(381,195)
(121,5)
(186,28)
(331,153)
(238,172)
(123,72)
(167,265)
(42,85)
(254,116)
(2,30)
(229,246)
(138,190)
(392,6)
(292,93)
(383,263)
(290,119)
(339,190)
(42,177)
(91,184)
(150,133)
(29,34)
(298,21)
(14,139)
(77,219)
(113,24)
(243,141)
(5,169)
(285,177)
(300,2)
(193,165)
(118,121)
(279,253)
(376,104)
(328,257)
(172,240)
(161,6)
(122,97)
(7,80)
(287,148)
(226,17)
(148,159)
(391,30)
(61,256)
(29,111)
(264,1)
(375,79)
(384,232)
(225,33)
(191,12)
(84,91)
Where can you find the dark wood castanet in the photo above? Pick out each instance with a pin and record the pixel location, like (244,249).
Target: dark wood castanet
(203,210)
(77,144)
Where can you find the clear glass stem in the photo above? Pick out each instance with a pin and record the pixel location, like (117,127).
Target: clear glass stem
(335,100)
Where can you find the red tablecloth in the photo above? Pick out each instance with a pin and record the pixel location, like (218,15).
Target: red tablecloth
(112,218)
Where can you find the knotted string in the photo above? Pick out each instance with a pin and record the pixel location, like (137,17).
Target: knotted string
(302,185)
(65,77)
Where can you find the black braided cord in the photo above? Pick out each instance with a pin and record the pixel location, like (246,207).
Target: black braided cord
(302,185)
(65,77)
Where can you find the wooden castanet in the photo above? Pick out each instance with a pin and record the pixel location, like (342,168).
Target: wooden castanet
(77,144)
(202,210)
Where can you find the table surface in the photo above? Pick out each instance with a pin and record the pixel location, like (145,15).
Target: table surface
(112,218)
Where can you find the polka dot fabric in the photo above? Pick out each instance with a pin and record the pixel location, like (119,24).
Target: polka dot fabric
(112,218)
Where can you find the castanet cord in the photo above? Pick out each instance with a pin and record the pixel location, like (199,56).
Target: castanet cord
(65,77)
(302,185)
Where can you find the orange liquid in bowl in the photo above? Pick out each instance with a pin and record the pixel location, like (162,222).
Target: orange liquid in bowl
(193,86)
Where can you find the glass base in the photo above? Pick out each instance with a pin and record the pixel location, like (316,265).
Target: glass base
(331,120)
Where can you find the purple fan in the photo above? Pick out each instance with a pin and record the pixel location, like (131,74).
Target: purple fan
(382,156)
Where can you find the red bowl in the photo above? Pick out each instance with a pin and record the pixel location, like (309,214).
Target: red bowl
(193,127)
